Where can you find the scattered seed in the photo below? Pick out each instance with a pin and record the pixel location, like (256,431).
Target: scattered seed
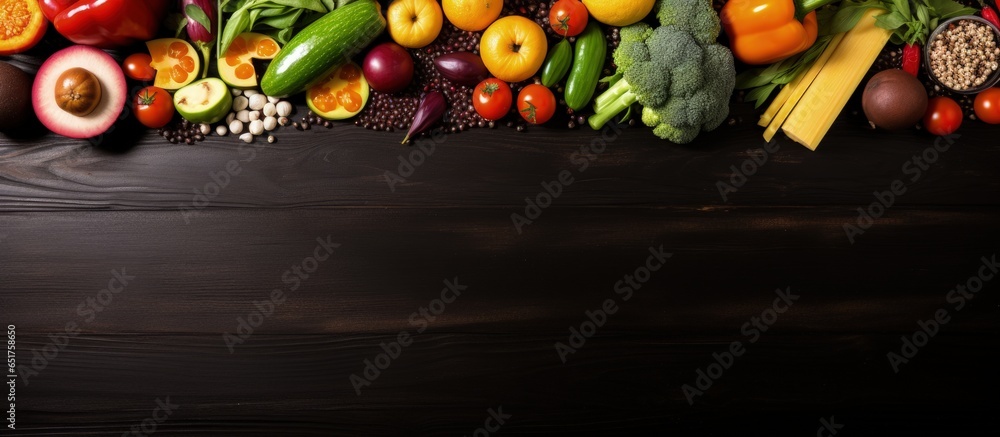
(271,139)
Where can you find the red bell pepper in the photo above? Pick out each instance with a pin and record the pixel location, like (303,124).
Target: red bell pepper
(106,23)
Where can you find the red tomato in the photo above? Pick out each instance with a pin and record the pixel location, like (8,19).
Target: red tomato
(988,106)
(568,17)
(153,107)
(492,99)
(943,116)
(536,103)
(137,67)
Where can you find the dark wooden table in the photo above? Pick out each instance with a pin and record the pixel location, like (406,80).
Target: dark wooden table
(133,298)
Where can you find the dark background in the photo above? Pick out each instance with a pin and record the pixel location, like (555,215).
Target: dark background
(71,213)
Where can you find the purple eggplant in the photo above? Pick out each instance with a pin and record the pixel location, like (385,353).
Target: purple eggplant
(462,68)
(430,111)
(203,38)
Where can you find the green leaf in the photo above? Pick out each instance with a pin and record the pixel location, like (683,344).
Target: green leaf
(903,7)
(199,16)
(283,21)
(848,15)
(891,21)
(238,23)
(760,95)
(312,5)
(945,9)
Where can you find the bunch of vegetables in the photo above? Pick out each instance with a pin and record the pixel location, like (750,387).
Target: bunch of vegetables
(231,63)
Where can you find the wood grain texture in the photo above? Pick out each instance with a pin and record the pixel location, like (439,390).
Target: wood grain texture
(347,167)
(72,212)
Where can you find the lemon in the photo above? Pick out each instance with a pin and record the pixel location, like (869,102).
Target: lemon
(619,12)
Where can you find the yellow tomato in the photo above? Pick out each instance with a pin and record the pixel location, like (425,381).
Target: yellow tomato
(414,23)
(513,48)
(472,15)
(619,13)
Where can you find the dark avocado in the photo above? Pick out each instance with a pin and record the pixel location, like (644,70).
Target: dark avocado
(893,100)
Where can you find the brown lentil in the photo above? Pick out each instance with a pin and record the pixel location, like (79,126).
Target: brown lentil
(964,55)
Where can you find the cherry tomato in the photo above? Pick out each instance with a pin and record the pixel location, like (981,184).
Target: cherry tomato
(137,67)
(536,103)
(568,17)
(943,116)
(153,107)
(988,106)
(492,99)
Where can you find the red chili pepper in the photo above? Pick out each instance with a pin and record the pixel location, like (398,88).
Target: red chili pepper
(911,59)
(990,15)
(106,23)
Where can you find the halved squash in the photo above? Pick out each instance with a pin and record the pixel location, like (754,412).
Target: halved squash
(176,62)
(236,65)
(341,95)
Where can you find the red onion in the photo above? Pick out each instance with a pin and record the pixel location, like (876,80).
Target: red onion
(432,108)
(203,38)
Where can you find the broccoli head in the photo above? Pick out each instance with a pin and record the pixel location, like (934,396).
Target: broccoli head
(693,16)
(676,71)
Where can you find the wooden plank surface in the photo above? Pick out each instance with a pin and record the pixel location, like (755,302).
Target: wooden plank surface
(74,216)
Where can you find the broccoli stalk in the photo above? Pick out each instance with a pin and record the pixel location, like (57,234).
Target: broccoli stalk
(612,102)
(678,73)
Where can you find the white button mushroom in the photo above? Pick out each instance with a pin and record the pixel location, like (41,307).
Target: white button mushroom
(257,102)
(256,127)
(284,109)
(270,124)
(243,116)
(270,109)
(240,103)
(236,127)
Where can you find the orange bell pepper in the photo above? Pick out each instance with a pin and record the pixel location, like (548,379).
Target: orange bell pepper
(767,31)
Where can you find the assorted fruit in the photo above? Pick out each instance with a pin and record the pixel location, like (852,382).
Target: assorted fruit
(418,65)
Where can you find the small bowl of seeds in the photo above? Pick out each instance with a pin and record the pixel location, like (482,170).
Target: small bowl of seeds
(963,54)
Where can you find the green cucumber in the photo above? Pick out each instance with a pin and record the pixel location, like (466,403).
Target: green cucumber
(323,46)
(591,49)
(557,64)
